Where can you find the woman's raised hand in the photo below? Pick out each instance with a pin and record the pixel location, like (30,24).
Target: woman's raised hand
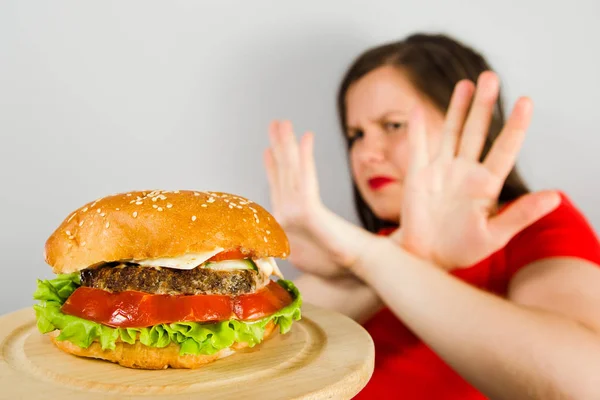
(449,206)
(321,242)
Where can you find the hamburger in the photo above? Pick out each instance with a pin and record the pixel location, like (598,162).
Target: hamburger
(159,279)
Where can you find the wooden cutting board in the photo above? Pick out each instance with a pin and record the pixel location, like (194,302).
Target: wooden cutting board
(325,356)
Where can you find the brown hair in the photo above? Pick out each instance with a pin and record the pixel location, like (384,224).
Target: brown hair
(435,63)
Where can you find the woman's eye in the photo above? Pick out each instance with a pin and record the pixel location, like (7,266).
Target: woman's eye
(354,135)
(394,126)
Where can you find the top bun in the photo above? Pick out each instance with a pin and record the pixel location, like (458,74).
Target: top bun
(153,224)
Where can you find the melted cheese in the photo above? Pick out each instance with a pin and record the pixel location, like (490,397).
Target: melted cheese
(186,261)
(266,266)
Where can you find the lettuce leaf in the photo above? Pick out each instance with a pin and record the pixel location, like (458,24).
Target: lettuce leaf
(192,337)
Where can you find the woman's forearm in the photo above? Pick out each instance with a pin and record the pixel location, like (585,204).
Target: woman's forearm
(344,294)
(505,350)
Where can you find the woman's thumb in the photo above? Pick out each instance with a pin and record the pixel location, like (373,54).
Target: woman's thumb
(522,213)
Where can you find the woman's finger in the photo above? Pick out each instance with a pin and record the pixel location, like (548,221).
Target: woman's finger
(417,142)
(503,154)
(289,145)
(478,122)
(455,118)
(274,142)
(309,181)
(272,178)
(285,152)
(522,213)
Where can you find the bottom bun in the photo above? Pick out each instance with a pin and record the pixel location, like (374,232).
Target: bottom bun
(140,356)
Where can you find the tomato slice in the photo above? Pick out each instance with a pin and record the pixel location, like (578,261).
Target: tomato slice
(229,255)
(132,309)
(264,302)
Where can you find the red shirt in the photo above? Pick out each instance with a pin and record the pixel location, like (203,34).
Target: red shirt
(406,368)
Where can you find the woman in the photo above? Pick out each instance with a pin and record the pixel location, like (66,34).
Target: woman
(484,289)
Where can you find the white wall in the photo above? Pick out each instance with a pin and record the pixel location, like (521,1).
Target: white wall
(106,96)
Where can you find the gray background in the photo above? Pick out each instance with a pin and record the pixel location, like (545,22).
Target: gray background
(107,96)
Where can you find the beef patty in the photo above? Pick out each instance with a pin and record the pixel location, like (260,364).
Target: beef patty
(118,277)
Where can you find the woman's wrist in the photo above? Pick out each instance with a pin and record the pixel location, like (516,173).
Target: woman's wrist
(385,261)
(370,261)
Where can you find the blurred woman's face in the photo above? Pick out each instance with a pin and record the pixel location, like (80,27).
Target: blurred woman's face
(377,111)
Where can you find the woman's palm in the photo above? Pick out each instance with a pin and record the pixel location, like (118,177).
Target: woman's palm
(312,230)
(449,206)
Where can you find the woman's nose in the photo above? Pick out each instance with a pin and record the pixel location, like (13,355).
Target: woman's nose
(373,148)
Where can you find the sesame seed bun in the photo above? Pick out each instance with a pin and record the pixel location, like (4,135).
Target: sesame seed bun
(140,356)
(152,224)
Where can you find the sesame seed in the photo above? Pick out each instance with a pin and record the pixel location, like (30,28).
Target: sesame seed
(83,244)
(203,205)
(231,206)
(107,225)
(154,199)
(240,207)
(169,205)
(226,201)
(265,238)
(84,209)
(117,208)
(154,206)
(71,217)
(93,204)
(162,197)
(139,202)
(128,194)
(196,194)
(253,210)
(81,223)
(210,200)
(69,233)
(134,214)
(268,232)
(176,191)
(159,208)
(99,210)
(102,214)
(193,217)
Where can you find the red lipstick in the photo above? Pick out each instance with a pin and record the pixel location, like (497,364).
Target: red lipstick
(378,182)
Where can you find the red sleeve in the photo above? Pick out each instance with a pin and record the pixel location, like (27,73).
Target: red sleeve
(565,232)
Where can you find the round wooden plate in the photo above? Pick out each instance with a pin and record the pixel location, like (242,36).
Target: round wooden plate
(325,355)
